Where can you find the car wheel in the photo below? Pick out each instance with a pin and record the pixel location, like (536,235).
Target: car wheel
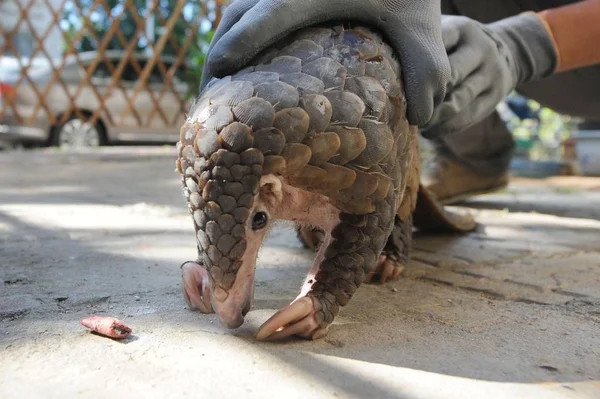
(78,133)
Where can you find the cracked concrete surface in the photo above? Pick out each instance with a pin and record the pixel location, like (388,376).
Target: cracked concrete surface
(509,311)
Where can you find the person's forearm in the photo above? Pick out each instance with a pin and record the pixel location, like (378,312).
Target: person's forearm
(575,29)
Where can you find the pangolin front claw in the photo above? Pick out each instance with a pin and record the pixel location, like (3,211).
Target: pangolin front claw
(298,318)
(196,286)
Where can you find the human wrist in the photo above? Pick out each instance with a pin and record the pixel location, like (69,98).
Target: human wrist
(576,32)
(531,44)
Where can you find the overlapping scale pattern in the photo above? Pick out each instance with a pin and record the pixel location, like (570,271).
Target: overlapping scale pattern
(323,108)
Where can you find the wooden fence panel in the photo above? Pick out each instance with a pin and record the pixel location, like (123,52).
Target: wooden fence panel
(125,65)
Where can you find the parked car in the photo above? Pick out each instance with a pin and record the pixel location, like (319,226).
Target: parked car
(155,114)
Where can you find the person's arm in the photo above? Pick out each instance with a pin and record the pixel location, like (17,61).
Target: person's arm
(575,29)
(488,61)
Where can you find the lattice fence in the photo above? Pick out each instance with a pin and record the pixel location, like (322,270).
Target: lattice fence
(126,67)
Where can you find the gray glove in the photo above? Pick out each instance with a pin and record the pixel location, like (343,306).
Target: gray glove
(488,62)
(412,27)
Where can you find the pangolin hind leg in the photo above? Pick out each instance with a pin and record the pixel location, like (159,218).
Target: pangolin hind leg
(395,254)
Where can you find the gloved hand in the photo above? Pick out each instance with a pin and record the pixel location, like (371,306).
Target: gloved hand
(487,63)
(412,27)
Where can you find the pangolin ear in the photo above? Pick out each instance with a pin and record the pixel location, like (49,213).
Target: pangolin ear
(271,190)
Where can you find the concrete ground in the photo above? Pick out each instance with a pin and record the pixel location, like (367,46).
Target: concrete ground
(510,311)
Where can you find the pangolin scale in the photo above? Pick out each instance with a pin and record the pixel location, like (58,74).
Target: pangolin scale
(324,110)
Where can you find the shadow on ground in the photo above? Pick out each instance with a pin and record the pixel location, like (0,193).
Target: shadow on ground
(470,310)
(568,196)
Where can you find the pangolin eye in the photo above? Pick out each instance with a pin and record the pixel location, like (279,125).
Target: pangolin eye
(259,220)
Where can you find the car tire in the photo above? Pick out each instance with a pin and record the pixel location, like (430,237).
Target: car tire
(78,133)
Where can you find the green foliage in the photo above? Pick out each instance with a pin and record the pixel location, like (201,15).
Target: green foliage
(94,21)
(541,140)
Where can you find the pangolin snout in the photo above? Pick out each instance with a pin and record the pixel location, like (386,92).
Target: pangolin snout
(231,320)
(231,316)
(231,310)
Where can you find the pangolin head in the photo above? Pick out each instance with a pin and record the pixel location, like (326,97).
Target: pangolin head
(224,153)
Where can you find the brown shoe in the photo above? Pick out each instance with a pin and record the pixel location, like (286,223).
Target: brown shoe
(451,182)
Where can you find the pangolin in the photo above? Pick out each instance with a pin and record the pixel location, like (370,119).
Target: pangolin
(313,131)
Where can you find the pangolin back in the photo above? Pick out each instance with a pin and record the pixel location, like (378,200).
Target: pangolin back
(325,108)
